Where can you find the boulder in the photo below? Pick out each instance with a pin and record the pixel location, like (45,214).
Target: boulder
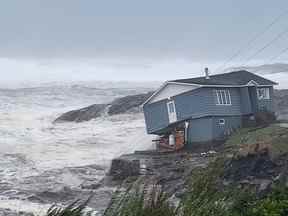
(124,104)
(122,168)
(84,114)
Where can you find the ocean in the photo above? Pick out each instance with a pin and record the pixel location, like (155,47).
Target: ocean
(42,163)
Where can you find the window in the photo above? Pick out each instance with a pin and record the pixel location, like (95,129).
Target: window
(223,97)
(171,107)
(221,121)
(171,111)
(263,93)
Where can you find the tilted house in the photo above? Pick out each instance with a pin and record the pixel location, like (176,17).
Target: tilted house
(208,108)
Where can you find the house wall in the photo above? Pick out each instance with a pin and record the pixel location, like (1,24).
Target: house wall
(156,116)
(232,123)
(209,128)
(253,98)
(267,104)
(171,90)
(246,106)
(202,102)
(200,130)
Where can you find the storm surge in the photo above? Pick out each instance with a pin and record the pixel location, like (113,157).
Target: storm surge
(42,162)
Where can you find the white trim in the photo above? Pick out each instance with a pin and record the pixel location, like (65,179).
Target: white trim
(172,114)
(252,83)
(234,86)
(222,121)
(163,86)
(200,86)
(223,97)
(266,95)
(190,84)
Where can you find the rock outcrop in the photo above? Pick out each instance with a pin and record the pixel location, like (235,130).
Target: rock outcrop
(128,103)
(122,105)
(170,170)
(84,114)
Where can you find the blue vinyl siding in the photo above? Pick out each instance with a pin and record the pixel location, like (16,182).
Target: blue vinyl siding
(221,131)
(156,116)
(245,101)
(207,129)
(202,102)
(200,130)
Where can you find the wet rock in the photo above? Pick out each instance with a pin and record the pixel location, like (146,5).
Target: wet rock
(170,170)
(91,186)
(58,196)
(257,166)
(8,212)
(122,105)
(84,114)
(123,168)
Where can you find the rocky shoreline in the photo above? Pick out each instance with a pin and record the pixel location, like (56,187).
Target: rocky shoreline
(127,104)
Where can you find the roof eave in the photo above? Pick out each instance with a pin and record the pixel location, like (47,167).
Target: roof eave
(163,86)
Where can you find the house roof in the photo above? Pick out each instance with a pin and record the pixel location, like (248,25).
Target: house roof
(233,78)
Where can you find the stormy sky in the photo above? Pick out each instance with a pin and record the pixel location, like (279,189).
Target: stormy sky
(136,40)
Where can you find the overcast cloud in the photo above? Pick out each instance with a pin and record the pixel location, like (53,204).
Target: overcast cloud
(132,40)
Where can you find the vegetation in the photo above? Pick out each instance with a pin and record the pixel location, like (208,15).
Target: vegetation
(75,209)
(141,200)
(273,139)
(207,194)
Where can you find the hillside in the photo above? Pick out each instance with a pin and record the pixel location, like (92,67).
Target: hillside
(281,103)
(248,176)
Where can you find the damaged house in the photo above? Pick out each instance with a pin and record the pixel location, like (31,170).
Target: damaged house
(206,109)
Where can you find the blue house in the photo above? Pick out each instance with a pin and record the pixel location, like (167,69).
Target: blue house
(207,109)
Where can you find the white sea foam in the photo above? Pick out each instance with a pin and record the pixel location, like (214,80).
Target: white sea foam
(30,144)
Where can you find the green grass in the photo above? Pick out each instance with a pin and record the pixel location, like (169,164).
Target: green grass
(77,208)
(274,136)
(206,195)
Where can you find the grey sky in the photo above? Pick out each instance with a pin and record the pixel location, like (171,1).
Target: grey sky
(132,35)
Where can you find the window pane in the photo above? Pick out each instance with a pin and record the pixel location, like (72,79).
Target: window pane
(171,107)
(221,97)
(225,97)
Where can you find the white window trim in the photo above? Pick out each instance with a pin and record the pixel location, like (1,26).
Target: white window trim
(223,97)
(221,121)
(266,94)
(168,105)
(171,115)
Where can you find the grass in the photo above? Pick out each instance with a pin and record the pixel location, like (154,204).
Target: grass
(273,138)
(206,195)
(141,200)
(77,208)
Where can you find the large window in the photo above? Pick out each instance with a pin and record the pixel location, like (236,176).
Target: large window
(263,93)
(223,97)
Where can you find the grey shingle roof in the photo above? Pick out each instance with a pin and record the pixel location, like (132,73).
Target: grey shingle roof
(233,78)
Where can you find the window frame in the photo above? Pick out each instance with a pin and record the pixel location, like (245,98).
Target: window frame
(171,104)
(266,95)
(223,97)
(221,121)
(172,114)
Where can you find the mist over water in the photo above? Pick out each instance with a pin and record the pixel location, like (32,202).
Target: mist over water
(37,155)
